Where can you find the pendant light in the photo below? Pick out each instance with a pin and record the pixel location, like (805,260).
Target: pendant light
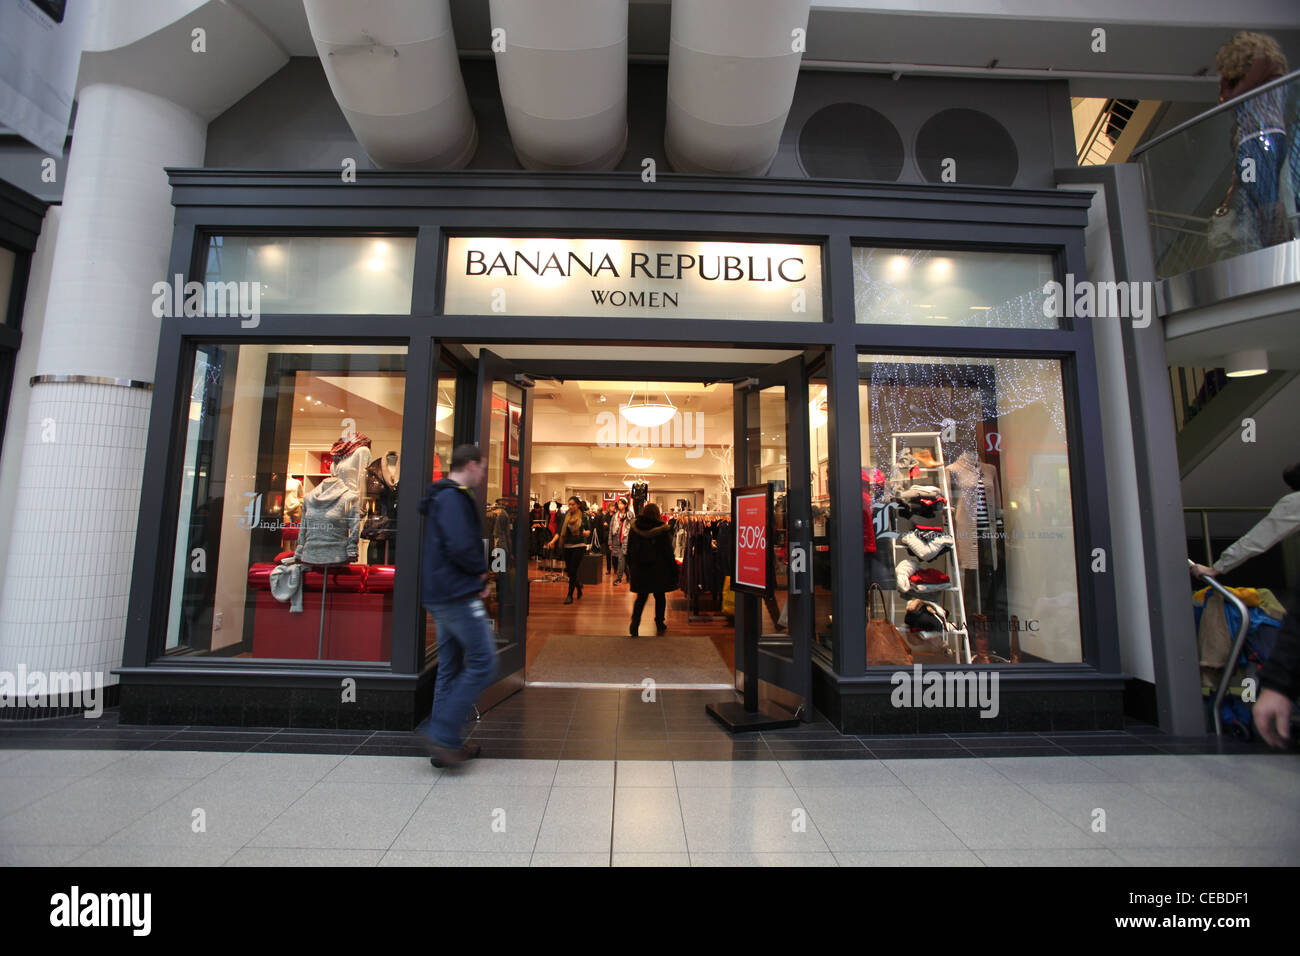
(639,462)
(647,414)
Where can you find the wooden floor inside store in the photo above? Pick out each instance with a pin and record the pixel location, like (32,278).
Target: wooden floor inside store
(605,610)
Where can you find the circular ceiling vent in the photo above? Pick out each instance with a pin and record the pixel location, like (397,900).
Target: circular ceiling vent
(850,141)
(983,151)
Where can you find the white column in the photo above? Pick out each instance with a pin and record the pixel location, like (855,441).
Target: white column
(73,529)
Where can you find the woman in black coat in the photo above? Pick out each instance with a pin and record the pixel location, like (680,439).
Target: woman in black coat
(650,565)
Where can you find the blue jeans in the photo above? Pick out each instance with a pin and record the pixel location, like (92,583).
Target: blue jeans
(467,665)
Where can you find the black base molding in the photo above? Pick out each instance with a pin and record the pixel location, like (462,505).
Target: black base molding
(1026,702)
(189,697)
(1140,701)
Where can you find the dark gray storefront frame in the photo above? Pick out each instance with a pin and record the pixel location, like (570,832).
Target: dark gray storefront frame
(835,215)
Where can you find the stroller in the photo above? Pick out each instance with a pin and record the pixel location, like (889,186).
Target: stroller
(1254,635)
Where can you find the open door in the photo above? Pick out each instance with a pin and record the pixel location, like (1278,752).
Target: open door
(501,420)
(771,428)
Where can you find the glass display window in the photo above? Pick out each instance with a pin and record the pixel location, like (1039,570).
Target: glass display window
(971,538)
(287,525)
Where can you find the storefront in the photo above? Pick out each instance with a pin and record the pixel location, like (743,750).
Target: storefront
(887,345)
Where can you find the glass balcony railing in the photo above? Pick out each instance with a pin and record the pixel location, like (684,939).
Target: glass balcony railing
(1226,182)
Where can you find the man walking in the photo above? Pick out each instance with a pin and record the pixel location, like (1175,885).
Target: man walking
(454,577)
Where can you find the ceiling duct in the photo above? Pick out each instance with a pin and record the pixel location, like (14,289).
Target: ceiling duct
(732,67)
(394,69)
(563,75)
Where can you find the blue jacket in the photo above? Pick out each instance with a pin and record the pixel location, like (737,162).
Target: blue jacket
(453,563)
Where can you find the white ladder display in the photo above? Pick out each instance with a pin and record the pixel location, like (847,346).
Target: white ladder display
(958,639)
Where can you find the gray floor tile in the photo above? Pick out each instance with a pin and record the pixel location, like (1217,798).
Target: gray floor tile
(298,856)
(456,859)
(1049,770)
(942,771)
(1142,768)
(1133,818)
(1067,858)
(358,816)
(648,820)
(234,810)
(825,858)
(377,769)
(650,859)
(645,773)
(1000,816)
(839,773)
(487,772)
(300,768)
(542,858)
(875,818)
(577,820)
(755,820)
(87,811)
(64,762)
(18,792)
(1218,856)
(38,855)
(1233,811)
(494,818)
(729,773)
(584,773)
(166,763)
(909,858)
(118,855)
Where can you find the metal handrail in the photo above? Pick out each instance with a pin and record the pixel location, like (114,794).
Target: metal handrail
(1231,667)
(1225,105)
(1205,522)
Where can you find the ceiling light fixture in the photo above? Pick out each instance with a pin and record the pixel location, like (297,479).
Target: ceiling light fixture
(647,414)
(1246,363)
(639,462)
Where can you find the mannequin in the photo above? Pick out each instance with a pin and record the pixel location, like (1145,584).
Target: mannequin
(331,520)
(640,492)
(976,518)
(381,508)
(293,501)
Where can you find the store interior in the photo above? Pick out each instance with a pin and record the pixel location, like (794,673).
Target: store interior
(586,443)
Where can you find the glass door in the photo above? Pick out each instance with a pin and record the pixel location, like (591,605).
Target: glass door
(772,444)
(501,431)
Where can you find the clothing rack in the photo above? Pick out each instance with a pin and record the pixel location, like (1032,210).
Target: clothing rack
(695,519)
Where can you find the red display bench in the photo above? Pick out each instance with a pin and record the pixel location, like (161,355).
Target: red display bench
(358,618)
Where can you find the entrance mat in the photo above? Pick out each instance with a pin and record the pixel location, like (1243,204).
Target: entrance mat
(582,658)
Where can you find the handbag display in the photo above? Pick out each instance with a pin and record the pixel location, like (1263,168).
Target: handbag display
(885,645)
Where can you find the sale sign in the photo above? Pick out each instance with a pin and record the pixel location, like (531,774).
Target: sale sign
(753,509)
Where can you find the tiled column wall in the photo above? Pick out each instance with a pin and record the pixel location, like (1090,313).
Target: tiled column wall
(72,531)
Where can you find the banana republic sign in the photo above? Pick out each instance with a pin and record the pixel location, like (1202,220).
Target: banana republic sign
(633,278)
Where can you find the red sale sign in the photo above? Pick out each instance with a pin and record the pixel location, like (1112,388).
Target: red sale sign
(751,540)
